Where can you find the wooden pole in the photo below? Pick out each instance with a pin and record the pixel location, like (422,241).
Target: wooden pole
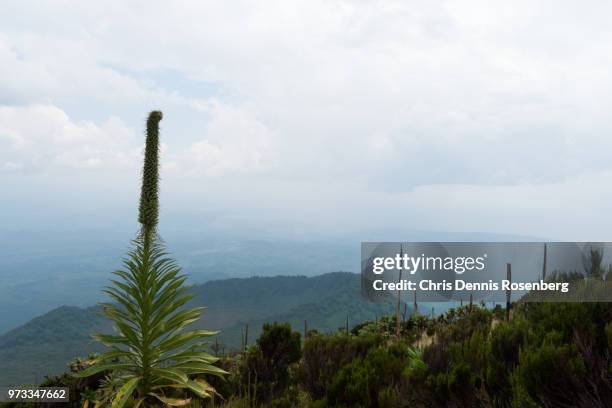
(347,332)
(508,291)
(544,264)
(399,299)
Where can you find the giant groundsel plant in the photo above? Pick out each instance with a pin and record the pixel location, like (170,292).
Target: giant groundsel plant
(155,357)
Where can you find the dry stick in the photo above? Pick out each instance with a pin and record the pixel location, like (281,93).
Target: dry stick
(241,341)
(470,309)
(508,291)
(416,305)
(255,387)
(249,388)
(347,332)
(399,299)
(216,346)
(305,329)
(544,264)
(246,337)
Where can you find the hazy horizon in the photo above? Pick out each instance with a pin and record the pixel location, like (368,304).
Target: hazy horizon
(311,118)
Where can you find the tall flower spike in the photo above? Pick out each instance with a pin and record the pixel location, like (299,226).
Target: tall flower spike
(152,354)
(149,195)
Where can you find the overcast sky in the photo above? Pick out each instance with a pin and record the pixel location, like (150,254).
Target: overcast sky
(312,117)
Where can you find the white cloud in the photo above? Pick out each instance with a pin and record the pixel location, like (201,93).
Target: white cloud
(43,137)
(391,98)
(233,141)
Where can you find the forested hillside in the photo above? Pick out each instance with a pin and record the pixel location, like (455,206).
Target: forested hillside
(46,344)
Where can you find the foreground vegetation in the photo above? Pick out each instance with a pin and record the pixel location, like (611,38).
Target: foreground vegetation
(546,355)
(551,355)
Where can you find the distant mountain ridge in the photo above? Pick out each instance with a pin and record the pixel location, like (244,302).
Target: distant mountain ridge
(42,269)
(46,344)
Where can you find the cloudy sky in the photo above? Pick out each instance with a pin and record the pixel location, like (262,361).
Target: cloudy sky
(312,117)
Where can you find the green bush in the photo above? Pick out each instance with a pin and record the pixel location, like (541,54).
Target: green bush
(266,366)
(324,356)
(376,380)
(551,374)
(503,349)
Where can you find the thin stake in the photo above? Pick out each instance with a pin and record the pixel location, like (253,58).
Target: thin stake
(399,299)
(508,291)
(347,332)
(544,264)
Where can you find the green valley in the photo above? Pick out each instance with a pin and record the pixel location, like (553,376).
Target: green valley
(46,344)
